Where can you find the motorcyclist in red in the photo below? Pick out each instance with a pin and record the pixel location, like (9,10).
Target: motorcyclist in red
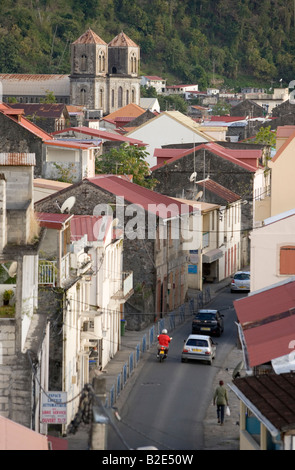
(164,341)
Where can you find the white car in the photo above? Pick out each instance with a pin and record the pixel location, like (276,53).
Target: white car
(240,281)
(199,348)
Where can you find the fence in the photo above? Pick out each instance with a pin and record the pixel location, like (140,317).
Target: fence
(170,322)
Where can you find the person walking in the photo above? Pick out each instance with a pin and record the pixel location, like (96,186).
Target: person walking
(220,398)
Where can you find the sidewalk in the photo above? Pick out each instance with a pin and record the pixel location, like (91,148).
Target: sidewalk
(134,344)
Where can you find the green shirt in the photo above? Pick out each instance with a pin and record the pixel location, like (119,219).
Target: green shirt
(220,396)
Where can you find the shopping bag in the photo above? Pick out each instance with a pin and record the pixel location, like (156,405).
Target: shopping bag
(227,411)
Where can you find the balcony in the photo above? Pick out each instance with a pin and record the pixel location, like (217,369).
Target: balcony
(124,288)
(71,266)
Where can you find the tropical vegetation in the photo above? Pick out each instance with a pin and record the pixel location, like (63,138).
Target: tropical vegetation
(233,42)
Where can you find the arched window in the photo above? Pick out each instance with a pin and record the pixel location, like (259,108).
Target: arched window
(101,98)
(83,96)
(101,62)
(133,96)
(84,62)
(113,98)
(127,97)
(120,97)
(133,61)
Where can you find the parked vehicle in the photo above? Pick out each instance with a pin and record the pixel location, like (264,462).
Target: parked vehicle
(240,281)
(199,348)
(208,322)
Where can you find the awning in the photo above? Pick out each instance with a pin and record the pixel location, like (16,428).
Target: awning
(212,256)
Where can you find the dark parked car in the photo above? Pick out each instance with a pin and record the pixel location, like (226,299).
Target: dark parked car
(208,322)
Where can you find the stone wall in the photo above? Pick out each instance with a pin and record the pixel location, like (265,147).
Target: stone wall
(15,377)
(15,138)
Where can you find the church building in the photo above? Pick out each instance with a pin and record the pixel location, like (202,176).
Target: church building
(103,76)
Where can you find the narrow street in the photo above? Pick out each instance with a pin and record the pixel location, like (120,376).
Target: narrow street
(165,403)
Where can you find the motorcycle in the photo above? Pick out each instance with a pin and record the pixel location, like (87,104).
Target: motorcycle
(162,353)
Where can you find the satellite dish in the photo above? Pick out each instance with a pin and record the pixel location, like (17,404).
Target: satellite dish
(199,195)
(68,204)
(193,177)
(237,369)
(12,269)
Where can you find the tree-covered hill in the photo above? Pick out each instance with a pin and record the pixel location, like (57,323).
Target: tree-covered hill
(234,41)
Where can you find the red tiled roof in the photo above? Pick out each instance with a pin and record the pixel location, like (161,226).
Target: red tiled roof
(267,319)
(89,37)
(122,40)
(163,206)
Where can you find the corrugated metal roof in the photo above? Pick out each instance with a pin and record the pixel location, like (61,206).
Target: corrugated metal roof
(32,85)
(221,191)
(94,227)
(100,134)
(267,319)
(158,204)
(17,159)
(51,220)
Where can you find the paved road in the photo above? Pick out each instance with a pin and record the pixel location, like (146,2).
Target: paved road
(164,405)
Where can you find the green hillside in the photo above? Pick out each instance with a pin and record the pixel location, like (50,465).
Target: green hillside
(235,42)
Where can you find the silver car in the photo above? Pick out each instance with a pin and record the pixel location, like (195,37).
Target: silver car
(240,281)
(198,348)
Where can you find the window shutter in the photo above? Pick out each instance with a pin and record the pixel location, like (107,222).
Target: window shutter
(287,260)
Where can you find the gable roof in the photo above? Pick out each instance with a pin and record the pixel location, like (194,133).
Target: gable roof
(267,322)
(44,110)
(16,115)
(181,119)
(130,110)
(241,157)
